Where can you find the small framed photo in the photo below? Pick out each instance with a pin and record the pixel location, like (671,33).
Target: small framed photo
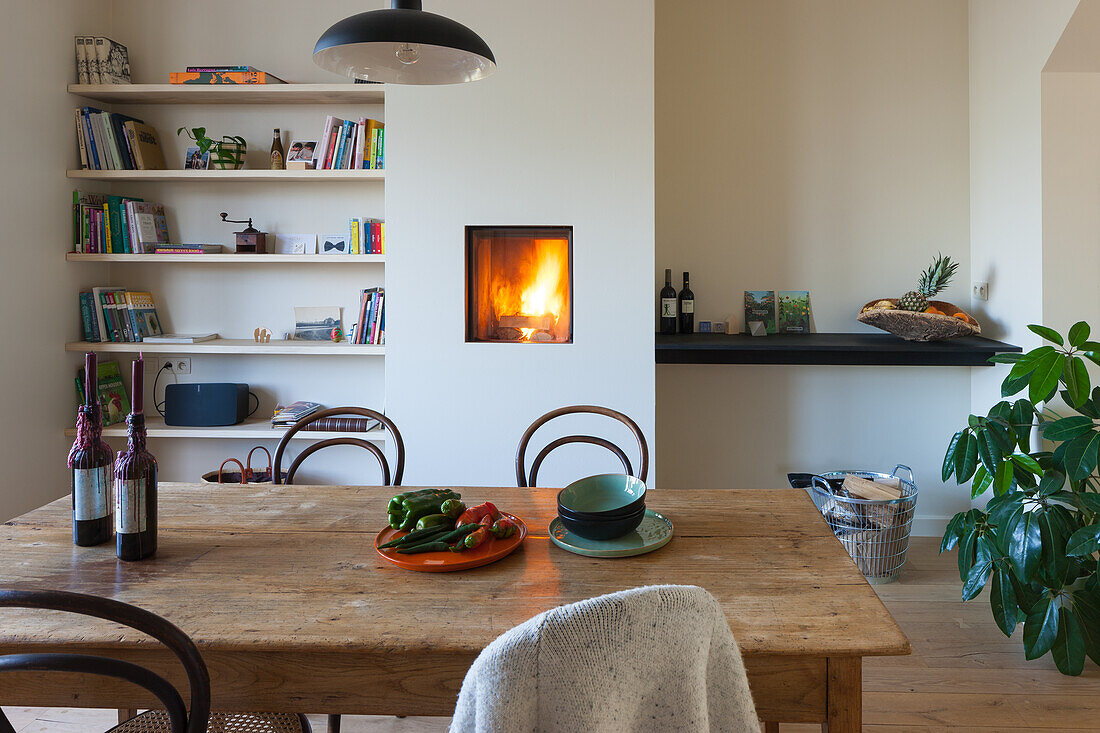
(295,244)
(195,161)
(301,150)
(332,244)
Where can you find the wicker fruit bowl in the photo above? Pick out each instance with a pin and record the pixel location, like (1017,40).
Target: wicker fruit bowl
(952,321)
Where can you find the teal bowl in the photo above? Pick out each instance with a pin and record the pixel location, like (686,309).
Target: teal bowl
(608,492)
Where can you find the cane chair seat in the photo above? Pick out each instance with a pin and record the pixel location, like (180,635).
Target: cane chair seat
(156,721)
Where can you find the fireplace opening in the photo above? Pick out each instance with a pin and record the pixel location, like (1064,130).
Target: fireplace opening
(519,284)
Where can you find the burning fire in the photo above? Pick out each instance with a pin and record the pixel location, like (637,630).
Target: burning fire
(537,287)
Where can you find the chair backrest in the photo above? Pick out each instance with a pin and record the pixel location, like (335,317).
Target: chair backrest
(136,618)
(399,466)
(528,479)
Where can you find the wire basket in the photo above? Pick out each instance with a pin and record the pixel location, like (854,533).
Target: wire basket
(874,532)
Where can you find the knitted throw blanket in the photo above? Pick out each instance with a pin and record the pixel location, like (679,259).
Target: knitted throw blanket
(659,658)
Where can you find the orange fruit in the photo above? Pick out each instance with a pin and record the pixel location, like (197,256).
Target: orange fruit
(961,316)
(934,309)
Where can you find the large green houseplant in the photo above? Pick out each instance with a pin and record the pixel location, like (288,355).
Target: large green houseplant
(1036,542)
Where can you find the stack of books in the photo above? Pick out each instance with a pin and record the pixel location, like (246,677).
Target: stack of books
(223,75)
(371,328)
(100,60)
(366,236)
(112,392)
(109,141)
(287,416)
(116,315)
(108,224)
(348,145)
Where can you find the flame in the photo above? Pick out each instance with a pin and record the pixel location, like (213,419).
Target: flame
(537,285)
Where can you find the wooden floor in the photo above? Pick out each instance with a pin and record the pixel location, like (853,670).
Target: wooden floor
(963,675)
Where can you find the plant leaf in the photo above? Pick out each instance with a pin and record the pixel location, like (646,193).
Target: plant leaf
(1080,455)
(1075,375)
(1078,333)
(1086,606)
(1068,649)
(949,457)
(966,458)
(1052,482)
(1044,379)
(951,534)
(1053,535)
(1013,384)
(989,451)
(1089,500)
(967,550)
(1024,543)
(1006,358)
(979,573)
(1040,628)
(1002,482)
(1084,541)
(981,483)
(1067,428)
(1027,462)
(1002,600)
(1048,333)
(1022,416)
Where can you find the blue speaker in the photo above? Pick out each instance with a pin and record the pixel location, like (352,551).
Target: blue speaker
(205,404)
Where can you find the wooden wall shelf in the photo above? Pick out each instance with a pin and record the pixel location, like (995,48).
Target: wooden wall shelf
(223,258)
(845,349)
(233,93)
(233,346)
(241,176)
(254,429)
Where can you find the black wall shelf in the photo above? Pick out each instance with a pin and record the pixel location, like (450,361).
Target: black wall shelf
(844,349)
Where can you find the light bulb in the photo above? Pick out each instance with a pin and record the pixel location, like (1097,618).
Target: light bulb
(408,53)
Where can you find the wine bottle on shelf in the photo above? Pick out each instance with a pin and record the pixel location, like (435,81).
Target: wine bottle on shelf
(91,465)
(687,308)
(136,483)
(668,306)
(278,162)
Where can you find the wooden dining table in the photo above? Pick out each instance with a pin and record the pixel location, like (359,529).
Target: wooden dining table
(294,611)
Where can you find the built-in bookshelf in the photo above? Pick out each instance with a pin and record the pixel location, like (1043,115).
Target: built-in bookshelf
(258,428)
(294,347)
(348,93)
(214,259)
(245,175)
(252,429)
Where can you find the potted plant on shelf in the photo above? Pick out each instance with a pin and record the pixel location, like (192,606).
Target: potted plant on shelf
(225,154)
(1035,544)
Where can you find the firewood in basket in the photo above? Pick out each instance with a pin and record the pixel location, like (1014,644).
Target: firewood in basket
(865,489)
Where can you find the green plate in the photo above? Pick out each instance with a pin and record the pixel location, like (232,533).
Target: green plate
(653,533)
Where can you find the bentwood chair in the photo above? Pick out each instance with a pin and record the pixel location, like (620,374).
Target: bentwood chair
(529,479)
(340,412)
(174,718)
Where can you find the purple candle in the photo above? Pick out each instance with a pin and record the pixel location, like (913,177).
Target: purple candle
(138,389)
(90,375)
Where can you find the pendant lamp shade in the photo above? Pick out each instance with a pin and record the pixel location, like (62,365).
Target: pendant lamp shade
(404,45)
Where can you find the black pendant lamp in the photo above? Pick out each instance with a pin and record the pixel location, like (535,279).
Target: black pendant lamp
(404,45)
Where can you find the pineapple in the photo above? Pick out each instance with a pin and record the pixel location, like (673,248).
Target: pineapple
(932,281)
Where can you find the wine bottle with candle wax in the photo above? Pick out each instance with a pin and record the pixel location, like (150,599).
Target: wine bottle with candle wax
(91,467)
(136,482)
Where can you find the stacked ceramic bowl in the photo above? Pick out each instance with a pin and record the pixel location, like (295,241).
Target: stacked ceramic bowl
(602,507)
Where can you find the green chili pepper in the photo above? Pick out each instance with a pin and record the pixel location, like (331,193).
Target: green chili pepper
(427,547)
(415,537)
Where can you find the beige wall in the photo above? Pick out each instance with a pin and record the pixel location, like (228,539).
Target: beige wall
(37,288)
(820,145)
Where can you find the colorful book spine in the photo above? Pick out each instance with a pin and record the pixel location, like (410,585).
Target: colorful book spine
(223,77)
(86,316)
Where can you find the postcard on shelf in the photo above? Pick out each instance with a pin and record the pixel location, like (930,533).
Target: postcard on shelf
(180,338)
(301,150)
(296,244)
(112,392)
(315,323)
(794,311)
(760,307)
(193,160)
(332,244)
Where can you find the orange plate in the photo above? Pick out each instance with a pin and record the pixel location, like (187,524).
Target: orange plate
(445,562)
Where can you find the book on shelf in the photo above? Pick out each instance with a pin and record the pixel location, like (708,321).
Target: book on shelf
(116,315)
(187,249)
(218,69)
(366,236)
(148,225)
(113,401)
(349,145)
(223,77)
(371,328)
(113,141)
(343,424)
(292,413)
(180,338)
(100,60)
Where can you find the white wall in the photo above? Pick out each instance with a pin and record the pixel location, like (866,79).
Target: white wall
(37,288)
(561,134)
(1010,41)
(818,145)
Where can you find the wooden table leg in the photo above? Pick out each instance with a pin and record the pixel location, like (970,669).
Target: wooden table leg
(770,727)
(844,695)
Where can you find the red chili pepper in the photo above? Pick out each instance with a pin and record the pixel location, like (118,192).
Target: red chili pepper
(476,537)
(503,528)
(474,514)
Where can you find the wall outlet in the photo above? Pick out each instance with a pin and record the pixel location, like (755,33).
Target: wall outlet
(180,364)
(981,291)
